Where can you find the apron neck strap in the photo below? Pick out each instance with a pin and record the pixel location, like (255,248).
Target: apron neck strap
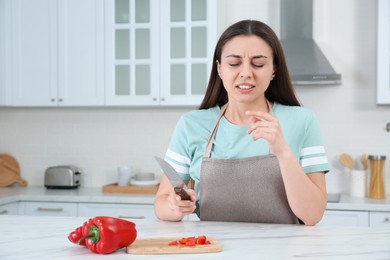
(207,152)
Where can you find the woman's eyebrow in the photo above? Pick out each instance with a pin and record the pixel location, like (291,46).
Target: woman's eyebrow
(259,57)
(233,56)
(239,57)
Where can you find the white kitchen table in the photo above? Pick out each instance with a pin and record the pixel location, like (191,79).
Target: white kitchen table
(33,237)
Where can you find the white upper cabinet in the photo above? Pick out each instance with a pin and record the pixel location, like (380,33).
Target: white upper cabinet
(5,60)
(132,52)
(383,78)
(105,52)
(81,52)
(57,51)
(33,78)
(158,52)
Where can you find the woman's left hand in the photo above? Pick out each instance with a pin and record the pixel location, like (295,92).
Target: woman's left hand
(266,126)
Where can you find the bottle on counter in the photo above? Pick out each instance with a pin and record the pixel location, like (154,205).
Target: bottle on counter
(377,185)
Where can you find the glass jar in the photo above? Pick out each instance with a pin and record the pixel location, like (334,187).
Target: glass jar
(377,185)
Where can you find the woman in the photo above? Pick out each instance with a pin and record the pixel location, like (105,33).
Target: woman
(251,107)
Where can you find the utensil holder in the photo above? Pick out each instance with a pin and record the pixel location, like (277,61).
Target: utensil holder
(357,182)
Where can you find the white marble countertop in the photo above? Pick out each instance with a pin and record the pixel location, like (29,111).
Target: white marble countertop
(29,237)
(88,195)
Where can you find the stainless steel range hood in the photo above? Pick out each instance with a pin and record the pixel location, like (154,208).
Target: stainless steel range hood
(307,63)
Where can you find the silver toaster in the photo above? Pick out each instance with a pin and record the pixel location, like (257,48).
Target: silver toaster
(62,177)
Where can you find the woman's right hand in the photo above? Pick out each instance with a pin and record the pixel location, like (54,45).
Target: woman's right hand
(179,207)
(169,206)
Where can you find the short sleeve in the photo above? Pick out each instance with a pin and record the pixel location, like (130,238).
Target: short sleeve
(313,156)
(177,153)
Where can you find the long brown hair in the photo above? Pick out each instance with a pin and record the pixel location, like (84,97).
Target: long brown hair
(280,89)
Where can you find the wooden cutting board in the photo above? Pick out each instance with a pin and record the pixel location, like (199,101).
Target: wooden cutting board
(10,171)
(10,163)
(114,188)
(159,246)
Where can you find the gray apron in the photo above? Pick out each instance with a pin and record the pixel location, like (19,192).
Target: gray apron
(242,189)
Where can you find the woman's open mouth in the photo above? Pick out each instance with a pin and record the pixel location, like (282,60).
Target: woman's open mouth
(245,86)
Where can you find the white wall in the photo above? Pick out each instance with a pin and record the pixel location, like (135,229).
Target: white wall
(100,139)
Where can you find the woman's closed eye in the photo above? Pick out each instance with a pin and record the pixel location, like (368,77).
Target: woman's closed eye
(253,64)
(258,65)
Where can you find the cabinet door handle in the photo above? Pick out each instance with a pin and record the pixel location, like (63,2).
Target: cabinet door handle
(3,212)
(387,219)
(132,217)
(50,209)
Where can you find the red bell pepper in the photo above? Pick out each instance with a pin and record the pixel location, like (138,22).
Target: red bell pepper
(104,235)
(76,235)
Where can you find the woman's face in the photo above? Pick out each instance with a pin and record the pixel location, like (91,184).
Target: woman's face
(246,68)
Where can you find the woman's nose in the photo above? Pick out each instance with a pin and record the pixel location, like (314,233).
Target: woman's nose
(246,70)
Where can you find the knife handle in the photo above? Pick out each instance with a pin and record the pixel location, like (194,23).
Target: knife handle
(182,193)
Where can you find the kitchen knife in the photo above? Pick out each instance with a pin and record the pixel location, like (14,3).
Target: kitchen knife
(178,184)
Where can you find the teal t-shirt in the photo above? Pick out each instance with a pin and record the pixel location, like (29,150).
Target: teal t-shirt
(299,126)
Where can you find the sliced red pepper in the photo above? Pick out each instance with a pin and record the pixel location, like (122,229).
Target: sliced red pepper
(173,243)
(201,240)
(190,241)
(183,241)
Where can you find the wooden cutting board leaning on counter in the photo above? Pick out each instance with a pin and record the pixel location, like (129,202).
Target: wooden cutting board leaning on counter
(10,171)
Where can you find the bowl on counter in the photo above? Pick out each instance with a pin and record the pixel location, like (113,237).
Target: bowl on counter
(145,179)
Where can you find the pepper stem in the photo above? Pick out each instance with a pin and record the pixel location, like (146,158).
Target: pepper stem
(93,234)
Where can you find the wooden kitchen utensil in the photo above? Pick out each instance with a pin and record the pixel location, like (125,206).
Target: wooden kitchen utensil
(346,160)
(364,161)
(10,171)
(159,246)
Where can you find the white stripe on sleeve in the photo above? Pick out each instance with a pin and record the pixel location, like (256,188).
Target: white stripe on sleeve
(314,161)
(312,150)
(178,157)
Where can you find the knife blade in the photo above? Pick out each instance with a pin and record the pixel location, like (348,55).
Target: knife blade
(178,184)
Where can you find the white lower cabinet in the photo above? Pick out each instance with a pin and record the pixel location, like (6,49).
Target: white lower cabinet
(380,219)
(127,211)
(74,209)
(146,211)
(50,209)
(10,208)
(345,218)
